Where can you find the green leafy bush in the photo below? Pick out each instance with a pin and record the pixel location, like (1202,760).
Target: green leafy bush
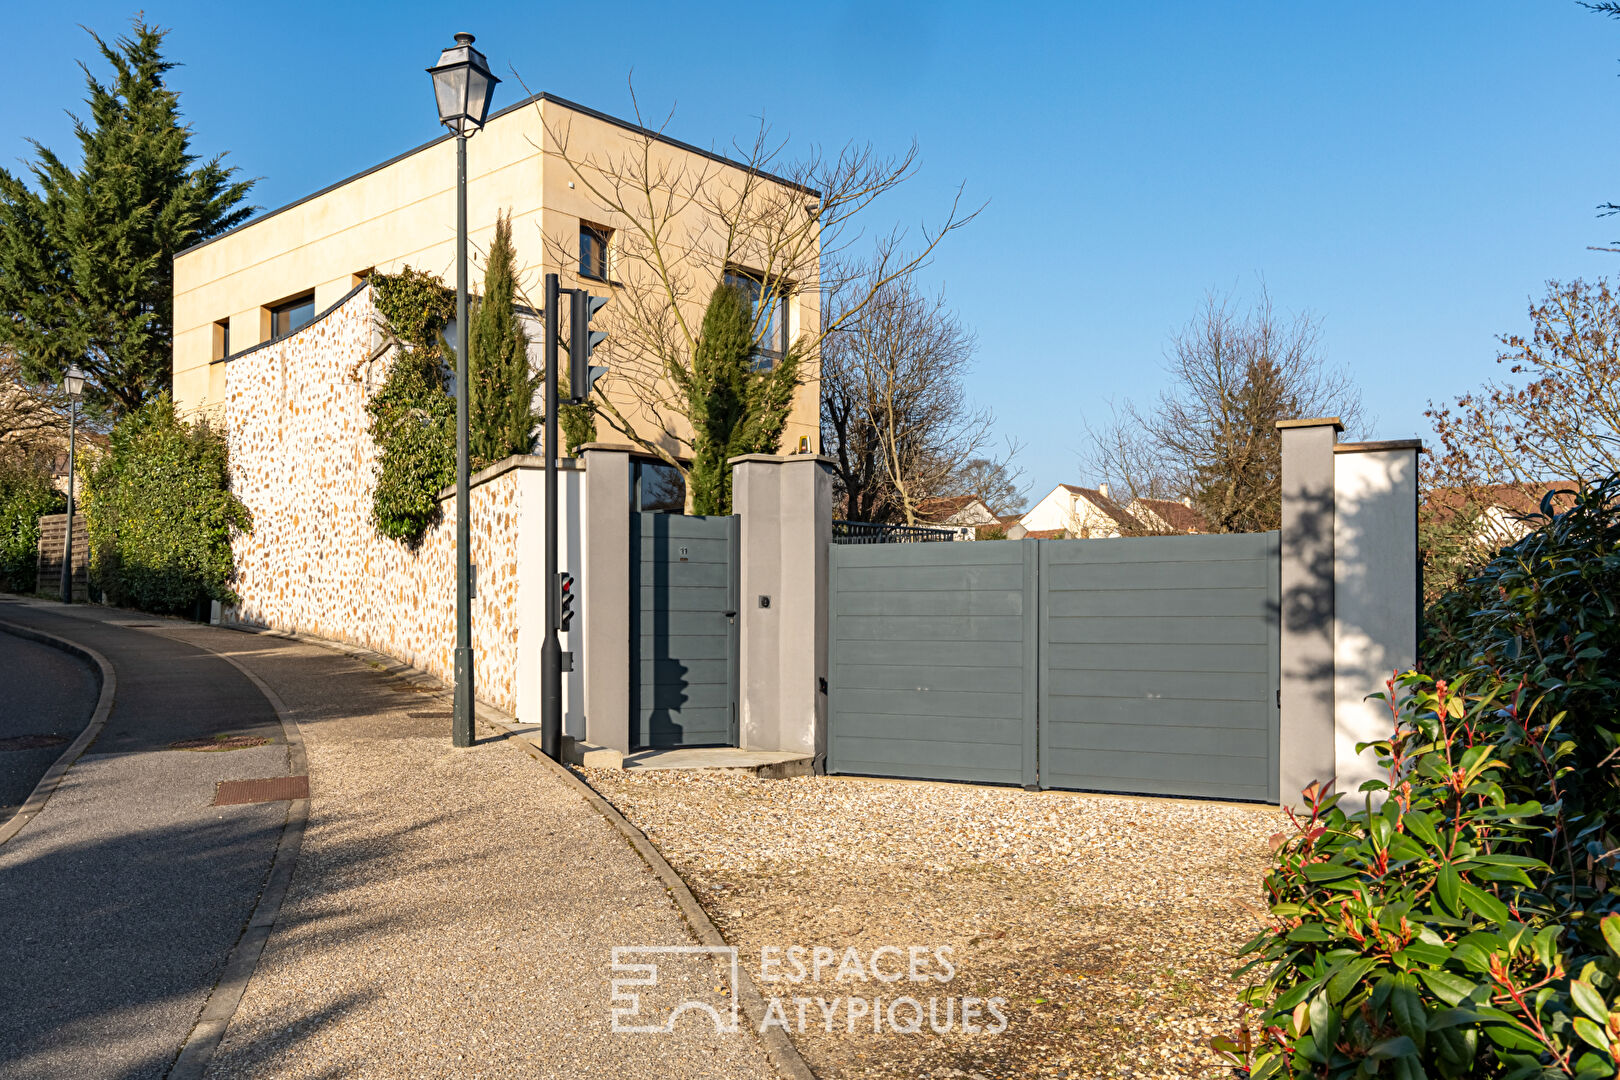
(160,513)
(1468,926)
(413,415)
(26,493)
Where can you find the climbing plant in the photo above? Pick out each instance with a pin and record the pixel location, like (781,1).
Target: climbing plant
(413,414)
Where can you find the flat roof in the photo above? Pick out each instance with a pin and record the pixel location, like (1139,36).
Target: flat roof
(530,100)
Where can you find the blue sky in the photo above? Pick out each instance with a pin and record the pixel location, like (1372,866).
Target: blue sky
(1411,173)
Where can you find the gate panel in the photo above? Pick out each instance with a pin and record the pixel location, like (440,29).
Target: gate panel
(1159,661)
(683,632)
(933,671)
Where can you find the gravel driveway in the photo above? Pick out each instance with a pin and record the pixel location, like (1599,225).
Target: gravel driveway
(1108,924)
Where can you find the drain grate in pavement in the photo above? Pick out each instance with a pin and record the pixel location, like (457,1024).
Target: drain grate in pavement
(30,742)
(221,742)
(273,789)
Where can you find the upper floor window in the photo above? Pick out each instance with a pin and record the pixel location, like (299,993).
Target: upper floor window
(769,309)
(593,251)
(222,339)
(292,315)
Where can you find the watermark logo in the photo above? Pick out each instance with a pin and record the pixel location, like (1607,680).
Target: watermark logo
(627,1003)
(892,988)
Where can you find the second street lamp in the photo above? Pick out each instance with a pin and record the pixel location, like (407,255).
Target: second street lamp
(463,86)
(73,383)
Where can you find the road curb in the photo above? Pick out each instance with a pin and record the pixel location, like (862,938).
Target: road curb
(778,1047)
(107,686)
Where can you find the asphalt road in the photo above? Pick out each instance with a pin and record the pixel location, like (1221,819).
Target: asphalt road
(122,898)
(46,698)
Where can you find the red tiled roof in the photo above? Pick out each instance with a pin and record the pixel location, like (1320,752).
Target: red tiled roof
(1123,517)
(1178,516)
(1514,498)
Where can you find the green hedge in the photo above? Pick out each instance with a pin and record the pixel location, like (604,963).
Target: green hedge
(26,494)
(160,513)
(1470,927)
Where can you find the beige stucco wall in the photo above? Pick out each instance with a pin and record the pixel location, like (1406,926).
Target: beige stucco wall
(403,213)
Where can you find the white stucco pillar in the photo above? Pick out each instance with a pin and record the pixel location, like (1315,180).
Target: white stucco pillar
(1376,595)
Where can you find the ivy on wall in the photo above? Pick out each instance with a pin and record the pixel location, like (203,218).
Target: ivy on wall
(413,416)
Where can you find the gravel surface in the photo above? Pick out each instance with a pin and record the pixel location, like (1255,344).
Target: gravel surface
(1107,924)
(453,911)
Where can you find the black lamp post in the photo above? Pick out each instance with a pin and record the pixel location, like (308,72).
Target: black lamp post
(73,382)
(463,86)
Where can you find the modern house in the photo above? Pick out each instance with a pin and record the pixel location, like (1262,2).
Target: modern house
(274,274)
(277,340)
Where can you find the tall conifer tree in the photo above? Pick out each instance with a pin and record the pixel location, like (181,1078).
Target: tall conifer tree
(501,417)
(86,254)
(735,409)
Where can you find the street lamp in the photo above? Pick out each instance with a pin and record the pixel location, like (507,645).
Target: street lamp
(463,86)
(73,383)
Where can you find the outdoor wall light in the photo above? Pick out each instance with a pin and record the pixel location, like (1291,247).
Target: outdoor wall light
(463,85)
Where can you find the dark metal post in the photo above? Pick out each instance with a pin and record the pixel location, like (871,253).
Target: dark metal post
(550,648)
(461,731)
(67,541)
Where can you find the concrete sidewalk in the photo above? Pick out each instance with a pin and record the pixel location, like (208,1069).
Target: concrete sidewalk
(121,899)
(454,911)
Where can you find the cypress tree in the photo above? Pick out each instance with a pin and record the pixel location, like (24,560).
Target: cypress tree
(501,417)
(733,408)
(87,255)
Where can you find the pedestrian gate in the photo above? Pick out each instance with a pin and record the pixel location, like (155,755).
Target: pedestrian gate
(1141,664)
(683,630)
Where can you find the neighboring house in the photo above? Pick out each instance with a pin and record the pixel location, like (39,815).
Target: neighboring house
(272,276)
(1080,514)
(1169,516)
(1499,507)
(965,513)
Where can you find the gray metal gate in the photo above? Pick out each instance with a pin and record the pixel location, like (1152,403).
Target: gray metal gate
(683,630)
(1147,664)
(1159,662)
(932,657)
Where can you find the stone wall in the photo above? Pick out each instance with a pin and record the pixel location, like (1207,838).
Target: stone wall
(303,461)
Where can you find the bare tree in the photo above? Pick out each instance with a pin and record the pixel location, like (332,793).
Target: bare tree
(1554,423)
(895,415)
(1561,421)
(33,419)
(997,483)
(1211,437)
(680,222)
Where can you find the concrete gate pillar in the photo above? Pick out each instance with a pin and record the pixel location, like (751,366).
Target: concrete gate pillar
(603,628)
(1305,698)
(1351,600)
(785,506)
